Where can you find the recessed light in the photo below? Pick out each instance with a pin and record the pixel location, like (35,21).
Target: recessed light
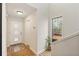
(19,12)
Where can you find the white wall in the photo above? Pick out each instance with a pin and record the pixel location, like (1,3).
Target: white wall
(42,25)
(68,47)
(70,26)
(70,16)
(11,22)
(31,32)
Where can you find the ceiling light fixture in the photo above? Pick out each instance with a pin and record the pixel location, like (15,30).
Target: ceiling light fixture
(19,12)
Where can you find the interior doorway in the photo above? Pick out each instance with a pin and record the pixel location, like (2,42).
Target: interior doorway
(57,28)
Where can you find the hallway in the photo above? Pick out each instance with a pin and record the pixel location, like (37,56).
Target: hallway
(21,29)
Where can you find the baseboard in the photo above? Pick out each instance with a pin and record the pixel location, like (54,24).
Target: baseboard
(31,48)
(34,51)
(41,51)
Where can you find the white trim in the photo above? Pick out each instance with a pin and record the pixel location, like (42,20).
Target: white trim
(4,36)
(26,43)
(41,51)
(67,37)
(33,50)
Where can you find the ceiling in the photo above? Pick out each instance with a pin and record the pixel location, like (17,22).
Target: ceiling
(12,9)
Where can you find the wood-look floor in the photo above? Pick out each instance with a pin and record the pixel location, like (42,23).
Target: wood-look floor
(23,50)
(58,37)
